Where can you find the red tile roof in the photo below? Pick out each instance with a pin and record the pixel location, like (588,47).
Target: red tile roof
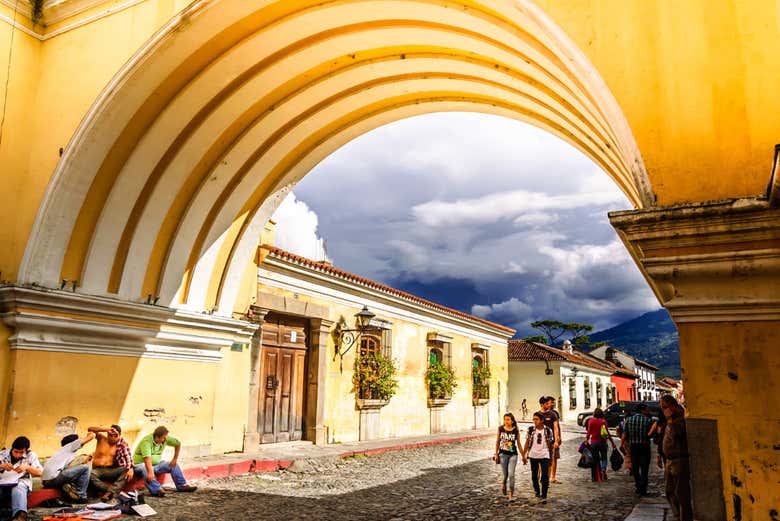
(524,351)
(330,270)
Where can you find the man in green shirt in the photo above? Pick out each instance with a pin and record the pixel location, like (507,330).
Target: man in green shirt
(149,463)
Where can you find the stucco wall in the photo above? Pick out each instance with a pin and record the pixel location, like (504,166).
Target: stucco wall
(738,361)
(203,404)
(407,413)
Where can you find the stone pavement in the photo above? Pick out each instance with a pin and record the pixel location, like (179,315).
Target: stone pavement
(444,481)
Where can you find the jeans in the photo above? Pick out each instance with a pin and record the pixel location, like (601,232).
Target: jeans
(544,465)
(161,468)
(599,468)
(108,479)
(18,495)
(640,464)
(508,464)
(677,475)
(78,476)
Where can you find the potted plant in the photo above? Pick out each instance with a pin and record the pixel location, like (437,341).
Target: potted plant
(480,376)
(441,383)
(374,380)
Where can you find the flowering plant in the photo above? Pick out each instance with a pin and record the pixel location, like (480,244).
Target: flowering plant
(374,377)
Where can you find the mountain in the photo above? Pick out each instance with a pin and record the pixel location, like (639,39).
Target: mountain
(651,337)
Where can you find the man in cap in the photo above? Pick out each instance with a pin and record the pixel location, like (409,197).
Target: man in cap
(72,480)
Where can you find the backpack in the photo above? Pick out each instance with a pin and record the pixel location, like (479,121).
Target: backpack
(127,500)
(548,434)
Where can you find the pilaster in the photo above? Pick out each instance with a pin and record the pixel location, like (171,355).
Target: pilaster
(317,386)
(716,268)
(252,435)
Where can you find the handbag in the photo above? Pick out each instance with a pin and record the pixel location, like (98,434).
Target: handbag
(586,459)
(616,459)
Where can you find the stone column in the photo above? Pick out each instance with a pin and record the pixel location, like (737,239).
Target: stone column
(716,268)
(252,436)
(317,381)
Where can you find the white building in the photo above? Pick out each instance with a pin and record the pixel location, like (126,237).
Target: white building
(577,381)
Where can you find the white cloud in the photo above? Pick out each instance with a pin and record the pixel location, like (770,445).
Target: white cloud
(296,229)
(507,205)
(514,308)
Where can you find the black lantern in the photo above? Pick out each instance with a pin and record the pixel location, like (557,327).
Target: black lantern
(346,338)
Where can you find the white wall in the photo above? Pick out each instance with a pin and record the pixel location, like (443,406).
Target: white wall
(527,380)
(568,413)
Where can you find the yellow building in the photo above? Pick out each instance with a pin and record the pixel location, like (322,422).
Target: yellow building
(145,143)
(311,343)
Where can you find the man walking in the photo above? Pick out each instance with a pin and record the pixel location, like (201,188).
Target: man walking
(112,462)
(637,429)
(552,421)
(677,472)
(149,463)
(72,480)
(21,460)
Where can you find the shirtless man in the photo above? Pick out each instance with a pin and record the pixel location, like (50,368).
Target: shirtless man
(112,463)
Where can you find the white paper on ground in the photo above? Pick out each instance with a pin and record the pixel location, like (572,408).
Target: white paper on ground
(103,514)
(101,506)
(9,478)
(144,510)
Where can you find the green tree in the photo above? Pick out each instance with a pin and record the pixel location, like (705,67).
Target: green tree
(555,329)
(538,338)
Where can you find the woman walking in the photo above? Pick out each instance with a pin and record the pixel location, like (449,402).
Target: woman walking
(597,436)
(506,453)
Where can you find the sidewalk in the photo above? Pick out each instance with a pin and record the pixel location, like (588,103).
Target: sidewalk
(651,509)
(276,456)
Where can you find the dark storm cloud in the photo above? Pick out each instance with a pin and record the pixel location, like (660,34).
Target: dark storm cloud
(479,213)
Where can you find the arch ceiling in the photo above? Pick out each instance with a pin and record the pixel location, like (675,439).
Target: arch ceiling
(168,181)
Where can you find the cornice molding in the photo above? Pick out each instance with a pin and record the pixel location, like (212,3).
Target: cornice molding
(709,262)
(298,279)
(52,320)
(302,272)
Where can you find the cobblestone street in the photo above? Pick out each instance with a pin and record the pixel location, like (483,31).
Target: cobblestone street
(449,481)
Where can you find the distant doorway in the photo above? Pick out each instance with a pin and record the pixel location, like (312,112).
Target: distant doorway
(282,378)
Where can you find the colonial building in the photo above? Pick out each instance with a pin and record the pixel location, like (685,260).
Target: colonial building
(324,330)
(672,386)
(644,388)
(576,380)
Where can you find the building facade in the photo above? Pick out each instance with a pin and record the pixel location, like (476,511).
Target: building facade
(578,382)
(644,383)
(310,347)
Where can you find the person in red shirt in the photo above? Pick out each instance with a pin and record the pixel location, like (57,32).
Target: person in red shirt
(596,437)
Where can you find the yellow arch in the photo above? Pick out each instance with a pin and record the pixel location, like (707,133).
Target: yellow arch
(215,112)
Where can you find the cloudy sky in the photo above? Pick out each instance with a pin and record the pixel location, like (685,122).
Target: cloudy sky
(480,213)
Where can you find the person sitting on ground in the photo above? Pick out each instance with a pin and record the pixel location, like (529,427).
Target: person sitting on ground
(72,480)
(22,460)
(149,463)
(112,462)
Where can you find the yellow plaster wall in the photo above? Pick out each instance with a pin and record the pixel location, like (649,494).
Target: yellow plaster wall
(407,414)
(6,374)
(730,375)
(99,390)
(18,137)
(697,82)
(231,400)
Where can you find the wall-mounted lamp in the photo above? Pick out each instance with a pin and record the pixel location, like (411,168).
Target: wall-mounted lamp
(346,338)
(548,370)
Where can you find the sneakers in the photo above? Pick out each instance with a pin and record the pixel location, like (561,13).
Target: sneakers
(187,488)
(159,493)
(71,491)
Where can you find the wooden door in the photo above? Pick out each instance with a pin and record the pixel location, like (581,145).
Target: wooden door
(282,378)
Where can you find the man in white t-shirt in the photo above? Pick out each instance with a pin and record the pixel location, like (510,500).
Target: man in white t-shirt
(539,444)
(72,480)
